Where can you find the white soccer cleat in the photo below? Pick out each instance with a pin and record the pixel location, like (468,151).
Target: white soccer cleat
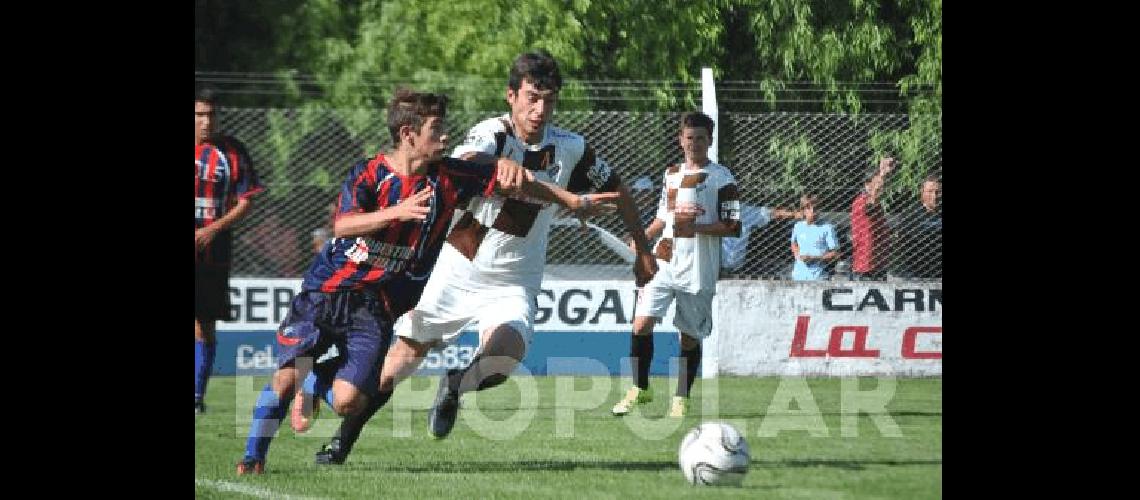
(635,396)
(679,406)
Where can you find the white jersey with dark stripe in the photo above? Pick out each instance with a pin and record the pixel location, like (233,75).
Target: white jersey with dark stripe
(507,241)
(694,258)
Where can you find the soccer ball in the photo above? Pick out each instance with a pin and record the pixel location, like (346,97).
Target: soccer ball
(714,453)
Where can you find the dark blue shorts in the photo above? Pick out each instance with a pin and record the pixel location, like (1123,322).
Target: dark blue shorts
(356,322)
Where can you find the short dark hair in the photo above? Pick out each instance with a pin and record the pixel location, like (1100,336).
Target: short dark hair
(932,178)
(539,67)
(206,95)
(412,108)
(694,119)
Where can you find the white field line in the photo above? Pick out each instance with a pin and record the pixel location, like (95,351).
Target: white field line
(246,489)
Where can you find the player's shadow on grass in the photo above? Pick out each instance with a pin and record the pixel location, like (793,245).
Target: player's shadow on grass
(465,467)
(832,414)
(616,466)
(845,464)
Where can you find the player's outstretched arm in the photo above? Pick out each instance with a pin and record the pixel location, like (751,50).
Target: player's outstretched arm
(582,204)
(512,178)
(479,157)
(652,231)
(645,265)
(786,214)
(730,229)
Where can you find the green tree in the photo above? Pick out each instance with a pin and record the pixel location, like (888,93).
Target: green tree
(360,49)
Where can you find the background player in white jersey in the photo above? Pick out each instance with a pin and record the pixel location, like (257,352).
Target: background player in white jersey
(699,205)
(491,268)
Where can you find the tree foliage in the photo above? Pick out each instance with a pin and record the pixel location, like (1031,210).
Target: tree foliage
(360,50)
(801,55)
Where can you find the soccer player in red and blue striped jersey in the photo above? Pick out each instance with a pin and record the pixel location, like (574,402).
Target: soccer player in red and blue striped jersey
(224,182)
(392,216)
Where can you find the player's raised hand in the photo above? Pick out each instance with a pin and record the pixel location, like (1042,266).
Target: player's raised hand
(511,175)
(886,165)
(589,205)
(416,206)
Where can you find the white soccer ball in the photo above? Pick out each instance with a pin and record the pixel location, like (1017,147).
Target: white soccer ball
(714,453)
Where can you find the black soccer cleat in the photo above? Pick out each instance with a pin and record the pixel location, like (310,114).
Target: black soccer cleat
(444,410)
(249,466)
(199,407)
(331,454)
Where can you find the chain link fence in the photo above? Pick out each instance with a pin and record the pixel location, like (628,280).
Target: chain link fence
(303,154)
(777,157)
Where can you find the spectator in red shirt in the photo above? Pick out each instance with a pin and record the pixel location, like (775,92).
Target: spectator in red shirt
(869,237)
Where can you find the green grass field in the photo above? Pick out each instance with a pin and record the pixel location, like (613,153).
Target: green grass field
(553,437)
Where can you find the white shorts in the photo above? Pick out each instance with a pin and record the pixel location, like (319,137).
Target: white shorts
(445,309)
(694,310)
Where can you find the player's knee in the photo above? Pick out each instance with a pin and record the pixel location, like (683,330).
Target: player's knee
(347,405)
(643,325)
(505,341)
(343,408)
(513,352)
(284,379)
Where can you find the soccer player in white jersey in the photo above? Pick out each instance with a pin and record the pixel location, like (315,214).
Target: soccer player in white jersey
(491,267)
(699,205)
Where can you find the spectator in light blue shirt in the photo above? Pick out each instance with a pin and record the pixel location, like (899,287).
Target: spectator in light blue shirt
(814,245)
(734,250)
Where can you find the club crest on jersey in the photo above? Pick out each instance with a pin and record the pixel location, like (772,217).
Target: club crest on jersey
(599,173)
(379,254)
(358,252)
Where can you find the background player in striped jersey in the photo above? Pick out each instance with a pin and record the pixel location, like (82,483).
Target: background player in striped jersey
(392,214)
(699,205)
(224,183)
(491,268)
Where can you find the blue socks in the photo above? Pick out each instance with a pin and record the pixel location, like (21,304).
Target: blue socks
(267,417)
(314,385)
(203,365)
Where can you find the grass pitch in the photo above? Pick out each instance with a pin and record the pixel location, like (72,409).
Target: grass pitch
(554,437)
